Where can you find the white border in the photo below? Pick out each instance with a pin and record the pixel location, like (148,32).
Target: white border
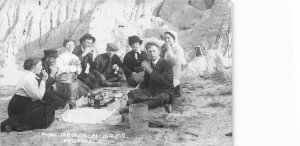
(266,72)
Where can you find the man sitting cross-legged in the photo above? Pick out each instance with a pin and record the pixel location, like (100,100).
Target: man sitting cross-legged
(157,89)
(107,69)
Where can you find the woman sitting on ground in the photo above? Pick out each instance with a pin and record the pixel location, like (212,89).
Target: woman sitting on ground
(26,110)
(174,53)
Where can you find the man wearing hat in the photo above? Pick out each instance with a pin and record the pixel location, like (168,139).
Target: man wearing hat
(49,59)
(107,69)
(132,62)
(49,65)
(85,53)
(157,89)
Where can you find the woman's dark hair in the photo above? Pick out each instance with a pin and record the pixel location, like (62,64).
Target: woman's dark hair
(134,39)
(171,34)
(31,62)
(150,44)
(67,41)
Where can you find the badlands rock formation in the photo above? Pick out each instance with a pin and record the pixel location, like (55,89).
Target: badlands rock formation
(30,26)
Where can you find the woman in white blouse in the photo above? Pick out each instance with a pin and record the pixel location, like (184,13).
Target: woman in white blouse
(67,73)
(26,110)
(174,53)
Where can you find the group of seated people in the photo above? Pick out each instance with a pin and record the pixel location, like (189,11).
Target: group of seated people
(155,73)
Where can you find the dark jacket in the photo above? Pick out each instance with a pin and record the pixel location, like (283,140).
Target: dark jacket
(50,81)
(133,65)
(87,59)
(101,64)
(161,78)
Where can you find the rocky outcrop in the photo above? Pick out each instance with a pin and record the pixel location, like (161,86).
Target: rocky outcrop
(30,26)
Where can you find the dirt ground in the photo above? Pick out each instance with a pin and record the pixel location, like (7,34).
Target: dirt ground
(201,116)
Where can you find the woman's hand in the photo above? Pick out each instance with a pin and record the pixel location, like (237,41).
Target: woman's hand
(45,75)
(54,70)
(167,46)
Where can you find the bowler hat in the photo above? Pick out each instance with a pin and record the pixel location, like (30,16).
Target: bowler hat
(50,53)
(134,39)
(112,47)
(87,36)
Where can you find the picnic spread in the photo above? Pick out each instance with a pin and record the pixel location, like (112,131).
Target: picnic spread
(98,106)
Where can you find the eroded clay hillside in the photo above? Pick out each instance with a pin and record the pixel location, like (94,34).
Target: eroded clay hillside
(30,26)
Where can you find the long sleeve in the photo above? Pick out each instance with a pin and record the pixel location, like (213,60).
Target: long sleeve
(164,77)
(87,59)
(160,78)
(126,64)
(28,86)
(34,90)
(175,56)
(50,81)
(97,66)
(118,61)
(145,83)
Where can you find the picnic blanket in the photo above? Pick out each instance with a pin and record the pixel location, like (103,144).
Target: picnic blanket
(86,115)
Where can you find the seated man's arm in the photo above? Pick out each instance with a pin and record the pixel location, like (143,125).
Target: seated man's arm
(120,64)
(97,66)
(126,63)
(76,51)
(50,81)
(165,76)
(145,83)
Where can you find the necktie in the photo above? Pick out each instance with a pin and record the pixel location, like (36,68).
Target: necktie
(153,63)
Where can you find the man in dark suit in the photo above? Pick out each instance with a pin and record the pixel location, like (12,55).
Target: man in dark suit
(48,62)
(85,53)
(108,68)
(132,62)
(157,88)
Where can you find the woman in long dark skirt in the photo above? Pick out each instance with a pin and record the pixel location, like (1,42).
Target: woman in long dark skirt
(26,110)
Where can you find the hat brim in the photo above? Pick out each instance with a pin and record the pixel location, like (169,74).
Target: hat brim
(138,40)
(87,37)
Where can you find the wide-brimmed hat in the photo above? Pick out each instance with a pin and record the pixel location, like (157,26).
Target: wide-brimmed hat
(87,36)
(112,47)
(133,39)
(50,53)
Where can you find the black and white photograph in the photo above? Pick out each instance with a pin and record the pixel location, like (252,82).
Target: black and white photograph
(116,72)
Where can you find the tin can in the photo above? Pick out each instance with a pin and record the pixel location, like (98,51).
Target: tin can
(97,104)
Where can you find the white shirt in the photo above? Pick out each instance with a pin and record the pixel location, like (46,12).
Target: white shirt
(28,86)
(136,54)
(82,49)
(155,61)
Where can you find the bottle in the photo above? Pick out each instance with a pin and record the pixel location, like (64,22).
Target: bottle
(72,103)
(89,99)
(97,102)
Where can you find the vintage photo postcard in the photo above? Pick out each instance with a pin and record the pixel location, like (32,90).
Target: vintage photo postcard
(116,72)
